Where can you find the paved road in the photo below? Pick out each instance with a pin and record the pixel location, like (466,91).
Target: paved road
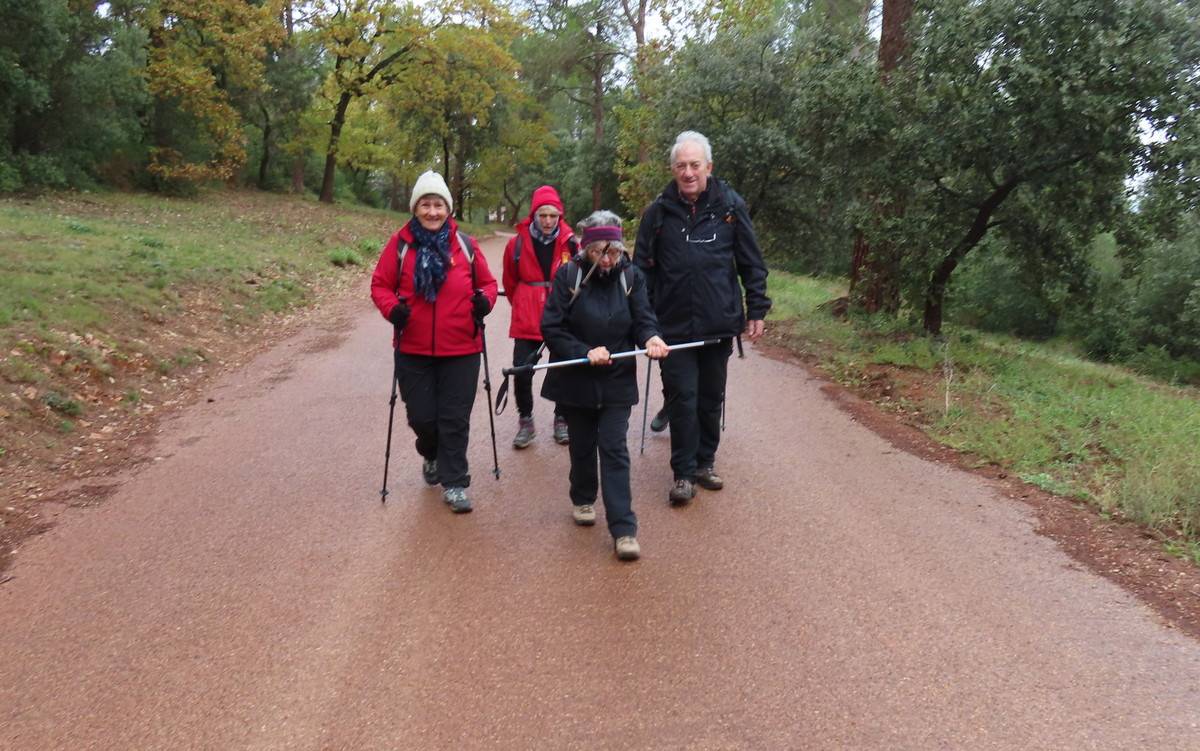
(248,591)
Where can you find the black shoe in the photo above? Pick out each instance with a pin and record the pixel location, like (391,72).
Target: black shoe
(707,478)
(682,492)
(429,471)
(661,421)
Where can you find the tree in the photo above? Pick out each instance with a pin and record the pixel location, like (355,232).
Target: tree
(372,44)
(1026,119)
(199,54)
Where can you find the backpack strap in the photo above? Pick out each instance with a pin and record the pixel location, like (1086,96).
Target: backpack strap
(626,282)
(401,252)
(517,249)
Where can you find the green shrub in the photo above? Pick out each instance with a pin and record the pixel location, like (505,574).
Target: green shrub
(62,404)
(343,257)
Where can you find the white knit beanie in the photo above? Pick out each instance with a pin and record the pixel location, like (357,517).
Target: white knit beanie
(430,184)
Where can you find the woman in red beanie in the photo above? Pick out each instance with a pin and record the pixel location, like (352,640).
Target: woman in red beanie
(544,241)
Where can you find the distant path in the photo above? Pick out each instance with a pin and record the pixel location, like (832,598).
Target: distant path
(248,591)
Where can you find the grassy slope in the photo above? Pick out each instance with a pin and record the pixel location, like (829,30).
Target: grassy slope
(107,299)
(1073,427)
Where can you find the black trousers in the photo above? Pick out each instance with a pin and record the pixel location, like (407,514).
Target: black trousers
(694,380)
(602,432)
(438,394)
(523,383)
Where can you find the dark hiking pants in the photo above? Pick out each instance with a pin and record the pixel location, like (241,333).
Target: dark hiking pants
(523,382)
(695,382)
(438,394)
(601,433)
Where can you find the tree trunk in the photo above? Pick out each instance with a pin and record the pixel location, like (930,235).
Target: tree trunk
(264,164)
(935,292)
(335,134)
(298,174)
(874,285)
(598,125)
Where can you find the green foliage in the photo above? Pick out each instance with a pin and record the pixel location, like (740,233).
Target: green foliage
(343,257)
(63,405)
(1059,422)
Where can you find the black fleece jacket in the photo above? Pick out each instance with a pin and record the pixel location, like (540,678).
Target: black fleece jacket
(693,256)
(602,315)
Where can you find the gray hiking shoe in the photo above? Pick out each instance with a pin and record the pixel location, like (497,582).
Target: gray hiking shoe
(429,471)
(682,492)
(628,549)
(707,478)
(585,515)
(525,433)
(457,500)
(661,421)
(561,436)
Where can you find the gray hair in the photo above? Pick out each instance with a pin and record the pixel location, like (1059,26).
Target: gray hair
(601,218)
(694,137)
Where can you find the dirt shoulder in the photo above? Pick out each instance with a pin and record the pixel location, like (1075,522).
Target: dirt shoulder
(1122,552)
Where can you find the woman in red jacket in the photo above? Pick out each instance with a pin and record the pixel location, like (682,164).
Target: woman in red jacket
(433,284)
(543,242)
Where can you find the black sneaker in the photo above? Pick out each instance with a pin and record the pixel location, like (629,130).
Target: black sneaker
(661,421)
(525,433)
(429,471)
(707,478)
(682,492)
(561,435)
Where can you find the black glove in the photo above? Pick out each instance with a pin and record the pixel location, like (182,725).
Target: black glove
(480,305)
(399,315)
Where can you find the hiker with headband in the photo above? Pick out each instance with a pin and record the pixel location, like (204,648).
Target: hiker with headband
(610,313)
(543,243)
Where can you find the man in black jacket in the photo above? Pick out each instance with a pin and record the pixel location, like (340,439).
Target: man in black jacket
(694,244)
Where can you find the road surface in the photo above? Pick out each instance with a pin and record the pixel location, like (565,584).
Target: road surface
(247,590)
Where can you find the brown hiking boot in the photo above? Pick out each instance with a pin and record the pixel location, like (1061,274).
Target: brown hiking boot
(525,433)
(561,436)
(707,478)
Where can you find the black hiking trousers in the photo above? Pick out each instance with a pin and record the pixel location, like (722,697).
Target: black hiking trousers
(694,379)
(438,394)
(523,382)
(600,433)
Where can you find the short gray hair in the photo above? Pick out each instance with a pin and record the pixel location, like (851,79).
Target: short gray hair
(601,218)
(693,137)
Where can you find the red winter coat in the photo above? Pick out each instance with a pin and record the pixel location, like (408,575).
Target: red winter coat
(445,327)
(528,299)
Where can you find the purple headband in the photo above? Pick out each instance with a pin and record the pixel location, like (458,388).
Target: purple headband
(600,234)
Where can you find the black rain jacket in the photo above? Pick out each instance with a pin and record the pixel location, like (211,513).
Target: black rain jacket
(693,255)
(602,315)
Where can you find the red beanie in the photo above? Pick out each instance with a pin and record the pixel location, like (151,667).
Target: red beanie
(545,195)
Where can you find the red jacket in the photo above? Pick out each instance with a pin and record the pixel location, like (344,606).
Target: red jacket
(526,299)
(445,327)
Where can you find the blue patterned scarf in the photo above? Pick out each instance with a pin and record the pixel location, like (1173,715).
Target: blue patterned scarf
(433,258)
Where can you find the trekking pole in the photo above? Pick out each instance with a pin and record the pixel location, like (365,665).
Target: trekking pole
(617,356)
(487,387)
(387,451)
(502,392)
(646,406)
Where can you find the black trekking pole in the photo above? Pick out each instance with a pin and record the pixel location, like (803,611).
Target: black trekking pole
(387,451)
(646,405)
(502,393)
(487,387)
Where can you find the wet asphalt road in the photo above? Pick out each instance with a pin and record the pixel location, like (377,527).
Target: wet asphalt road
(248,591)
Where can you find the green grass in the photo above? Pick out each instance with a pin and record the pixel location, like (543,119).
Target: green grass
(1096,432)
